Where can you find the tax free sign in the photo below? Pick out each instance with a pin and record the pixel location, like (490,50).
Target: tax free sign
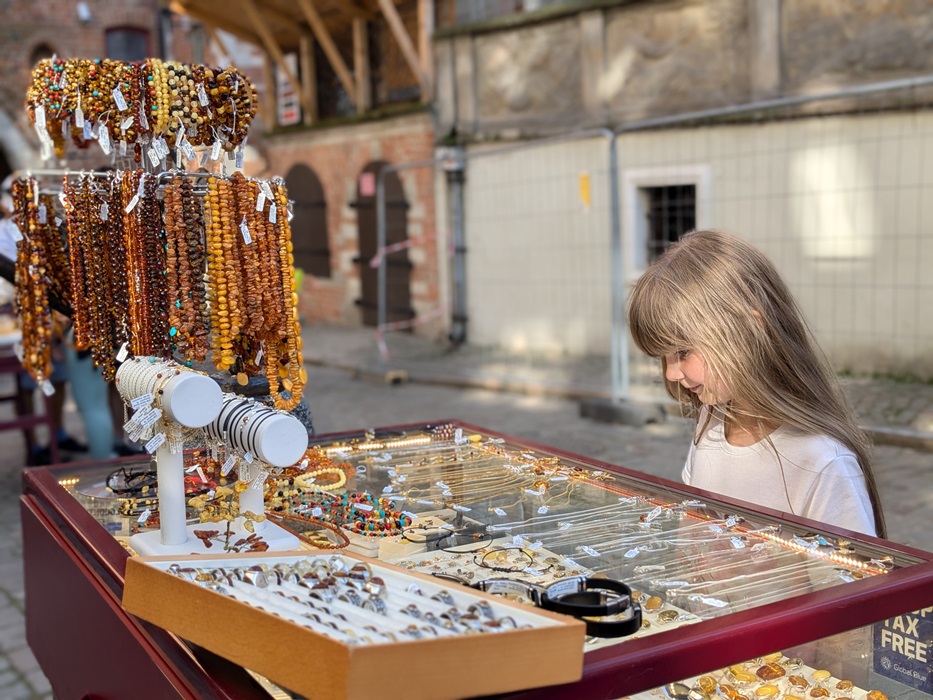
(903,649)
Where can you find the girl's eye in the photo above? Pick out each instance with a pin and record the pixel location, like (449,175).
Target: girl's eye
(682,354)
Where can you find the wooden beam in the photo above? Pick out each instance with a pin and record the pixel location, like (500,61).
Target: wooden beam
(330,49)
(272,48)
(308,76)
(426,23)
(269,101)
(404,41)
(361,65)
(219,23)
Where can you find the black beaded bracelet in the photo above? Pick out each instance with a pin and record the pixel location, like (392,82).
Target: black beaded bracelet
(581,596)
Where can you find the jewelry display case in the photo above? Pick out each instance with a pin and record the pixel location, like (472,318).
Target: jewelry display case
(736,600)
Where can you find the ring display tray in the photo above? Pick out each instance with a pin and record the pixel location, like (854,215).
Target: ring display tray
(250,608)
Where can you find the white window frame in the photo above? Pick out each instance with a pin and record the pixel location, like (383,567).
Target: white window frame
(634,226)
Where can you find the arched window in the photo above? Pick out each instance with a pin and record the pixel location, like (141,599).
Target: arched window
(127,43)
(39,52)
(309,225)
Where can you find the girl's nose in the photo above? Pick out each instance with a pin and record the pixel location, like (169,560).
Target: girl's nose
(672,371)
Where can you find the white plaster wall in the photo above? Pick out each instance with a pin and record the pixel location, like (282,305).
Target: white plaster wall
(841,204)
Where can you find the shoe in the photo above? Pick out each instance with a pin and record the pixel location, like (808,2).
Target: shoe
(69,444)
(43,457)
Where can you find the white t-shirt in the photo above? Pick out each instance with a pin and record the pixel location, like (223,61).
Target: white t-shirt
(816,477)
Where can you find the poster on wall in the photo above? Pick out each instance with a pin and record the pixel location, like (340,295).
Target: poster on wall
(903,649)
(286,98)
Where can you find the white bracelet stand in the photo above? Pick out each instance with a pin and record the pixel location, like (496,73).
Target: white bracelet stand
(269,437)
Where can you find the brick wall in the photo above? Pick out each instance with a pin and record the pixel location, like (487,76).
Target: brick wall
(338,156)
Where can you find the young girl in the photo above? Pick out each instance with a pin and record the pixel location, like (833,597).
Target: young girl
(773,426)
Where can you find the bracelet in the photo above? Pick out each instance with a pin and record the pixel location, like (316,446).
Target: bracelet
(581,596)
(612,629)
(281,518)
(511,587)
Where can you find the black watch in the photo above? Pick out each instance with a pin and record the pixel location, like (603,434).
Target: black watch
(510,586)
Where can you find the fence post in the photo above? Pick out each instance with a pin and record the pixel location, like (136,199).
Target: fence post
(454,165)
(619,346)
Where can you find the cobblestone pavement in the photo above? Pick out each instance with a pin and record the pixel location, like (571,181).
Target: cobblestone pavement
(351,387)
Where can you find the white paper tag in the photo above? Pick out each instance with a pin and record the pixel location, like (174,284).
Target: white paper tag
(425,503)
(151,416)
(654,514)
(215,150)
(362,506)
(737,543)
(123,353)
(40,116)
(202,95)
(499,512)
(259,481)
(589,550)
(119,99)
(244,231)
(228,465)
(126,123)
(144,516)
(122,149)
(143,122)
(542,510)
(87,132)
(239,158)
(43,214)
(104,211)
(260,200)
(201,475)
(155,443)
(47,387)
(632,553)
(103,139)
(248,457)
(264,186)
(154,156)
(273,217)
(518,540)
(132,205)
(188,150)
(79,117)
(141,401)
(462,509)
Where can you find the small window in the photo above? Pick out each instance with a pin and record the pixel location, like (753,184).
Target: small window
(670,213)
(127,44)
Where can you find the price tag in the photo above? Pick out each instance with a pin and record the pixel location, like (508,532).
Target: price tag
(248,457)
(86,131)
(588,550)
(119,99)
(202,95)
(362,506)
(559,478)
(564,526)
(462,509)
(103,139)
(737,542)
(104,211)
(425,503)
(239,158)
(188,150)
(715,528)
(571,563)
(260,200)
(518,541)
(132,205)
(141,401)
(150,417)
(532,572)
(79,116)
(228,465)
(542,510)
(654,514)
(215,150)
(155,443)
(123,353)
(458,436)
(498,511)
(259,481)
(201,475)
(442,485)
(387,489)
(316,512)
(122,149)
(536,545)
(40,117)
(47,387)
(264,186)
(126,123)
(154,157)
(144,516)
(143,122)
(273,217)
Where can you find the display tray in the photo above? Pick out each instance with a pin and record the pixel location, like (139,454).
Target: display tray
(446,640)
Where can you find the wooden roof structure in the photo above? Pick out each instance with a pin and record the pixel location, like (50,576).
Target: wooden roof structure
(284,26)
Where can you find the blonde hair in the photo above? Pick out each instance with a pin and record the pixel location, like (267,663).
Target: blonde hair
(715,293)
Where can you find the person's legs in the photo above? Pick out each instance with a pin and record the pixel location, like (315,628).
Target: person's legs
(90,394)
